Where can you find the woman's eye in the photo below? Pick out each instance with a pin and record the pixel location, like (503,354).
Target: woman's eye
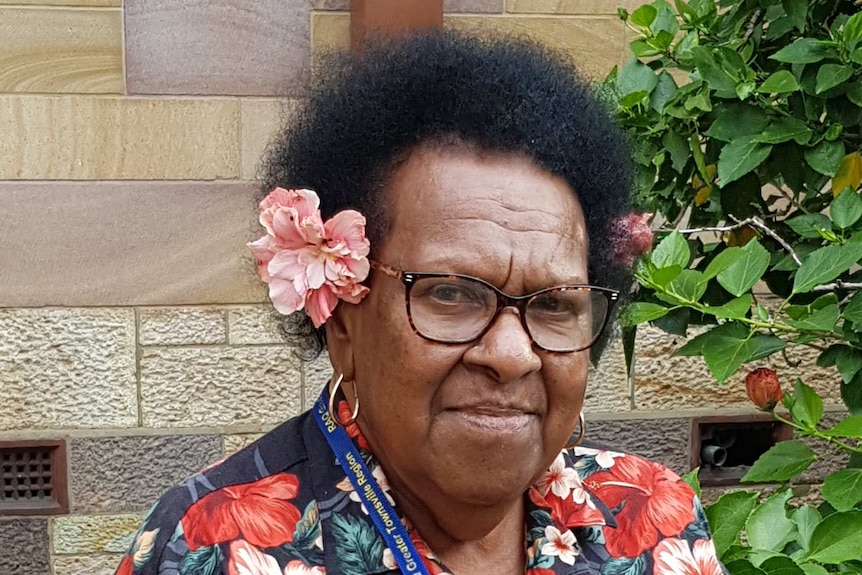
(554,305)
(448,293)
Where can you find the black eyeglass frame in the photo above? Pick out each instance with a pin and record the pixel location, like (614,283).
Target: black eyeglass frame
(504,300)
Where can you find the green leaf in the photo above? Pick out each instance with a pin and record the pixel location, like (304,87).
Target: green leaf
(737,308)
(807,405)
(693,481)
(745,271)
(665,20)
(741,567)
(644,16)
(781,82)
(846,209)
(740,157)
(781,565)
(357,545)
(767,345)
(853,311)
(843,489)
(689,285)
(726,354)
(201,561)
(809,225)
(837,539)
(806,519)
(782,462)
(727,517)
(738,120)
(797,11)
(785,129)
(711,71)
(664,91)
(848,427)
(677,147)
(848,360)
(823,319)
(802,51)
(768,527)
(813,569)
(851,394)
(641,312)
(831,75)
(826,157)
(826,264)
(673,250)
(723,261)
(854,92)
(635,77)
(853,29)
(695,345)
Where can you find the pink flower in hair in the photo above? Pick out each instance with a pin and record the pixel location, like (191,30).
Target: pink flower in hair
(310,264)
(632,237)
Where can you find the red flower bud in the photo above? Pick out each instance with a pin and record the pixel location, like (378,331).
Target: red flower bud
(763,388)
(632,237)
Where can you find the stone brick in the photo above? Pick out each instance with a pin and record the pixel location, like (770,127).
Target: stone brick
(182,326)
(57,50)
(26,547)
(258,324)
(664,441)
(570,6)
(217,47)
(188,387)
(168,243)
(608,387)
(67,368)
(82,534)
(119,474)
(84,138)
(448,5)
(86,564)
(595,44)
(236,441)
(261,120)
(90,3)
(317,375)
(664,382)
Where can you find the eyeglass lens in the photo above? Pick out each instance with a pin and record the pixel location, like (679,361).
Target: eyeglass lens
(457,310)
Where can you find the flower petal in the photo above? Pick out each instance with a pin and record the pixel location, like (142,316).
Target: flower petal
(319,305)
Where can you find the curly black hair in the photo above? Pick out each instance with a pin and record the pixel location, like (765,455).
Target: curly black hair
(366,114)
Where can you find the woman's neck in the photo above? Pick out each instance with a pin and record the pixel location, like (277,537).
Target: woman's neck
(470,539)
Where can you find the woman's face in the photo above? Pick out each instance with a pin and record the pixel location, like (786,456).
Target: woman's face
(474,422)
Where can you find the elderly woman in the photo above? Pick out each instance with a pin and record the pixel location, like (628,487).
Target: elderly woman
(442,210)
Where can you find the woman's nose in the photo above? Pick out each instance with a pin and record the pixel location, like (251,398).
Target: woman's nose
(505,350)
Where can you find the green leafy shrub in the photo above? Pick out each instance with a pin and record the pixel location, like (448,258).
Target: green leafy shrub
(746,118)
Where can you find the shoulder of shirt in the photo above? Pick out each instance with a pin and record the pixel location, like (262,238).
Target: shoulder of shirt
(280,450)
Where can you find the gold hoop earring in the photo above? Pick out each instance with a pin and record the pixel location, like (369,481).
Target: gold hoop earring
(332,395)
(581,431)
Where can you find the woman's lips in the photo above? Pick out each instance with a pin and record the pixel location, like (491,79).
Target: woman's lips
(489,418)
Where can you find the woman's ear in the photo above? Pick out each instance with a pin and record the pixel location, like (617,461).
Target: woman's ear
(339,343)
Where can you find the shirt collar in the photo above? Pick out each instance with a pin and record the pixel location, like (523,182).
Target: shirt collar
(556,506)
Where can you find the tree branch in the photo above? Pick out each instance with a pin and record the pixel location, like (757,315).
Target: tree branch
(838,285)
(753,221)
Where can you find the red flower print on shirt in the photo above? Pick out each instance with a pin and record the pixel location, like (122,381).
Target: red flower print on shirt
(568,511)
(653,500)
(126,567)
(259,512)
(352,429)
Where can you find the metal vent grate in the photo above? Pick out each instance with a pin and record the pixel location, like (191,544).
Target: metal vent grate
(33,478)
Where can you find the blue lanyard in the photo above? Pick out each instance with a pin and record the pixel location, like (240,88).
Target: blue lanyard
(385,519)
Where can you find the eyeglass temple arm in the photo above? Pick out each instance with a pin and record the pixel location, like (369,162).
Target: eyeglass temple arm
(388,270)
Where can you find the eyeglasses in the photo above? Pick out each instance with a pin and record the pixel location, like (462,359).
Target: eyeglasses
(454,308)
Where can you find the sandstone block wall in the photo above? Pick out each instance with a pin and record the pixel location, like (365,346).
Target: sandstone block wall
(132,324)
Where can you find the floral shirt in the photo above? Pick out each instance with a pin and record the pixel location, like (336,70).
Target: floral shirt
(283,506)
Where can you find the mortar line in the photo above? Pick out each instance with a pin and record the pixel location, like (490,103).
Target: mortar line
(138,355)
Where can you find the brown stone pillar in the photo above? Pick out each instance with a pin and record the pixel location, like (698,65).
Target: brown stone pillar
(392,17)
